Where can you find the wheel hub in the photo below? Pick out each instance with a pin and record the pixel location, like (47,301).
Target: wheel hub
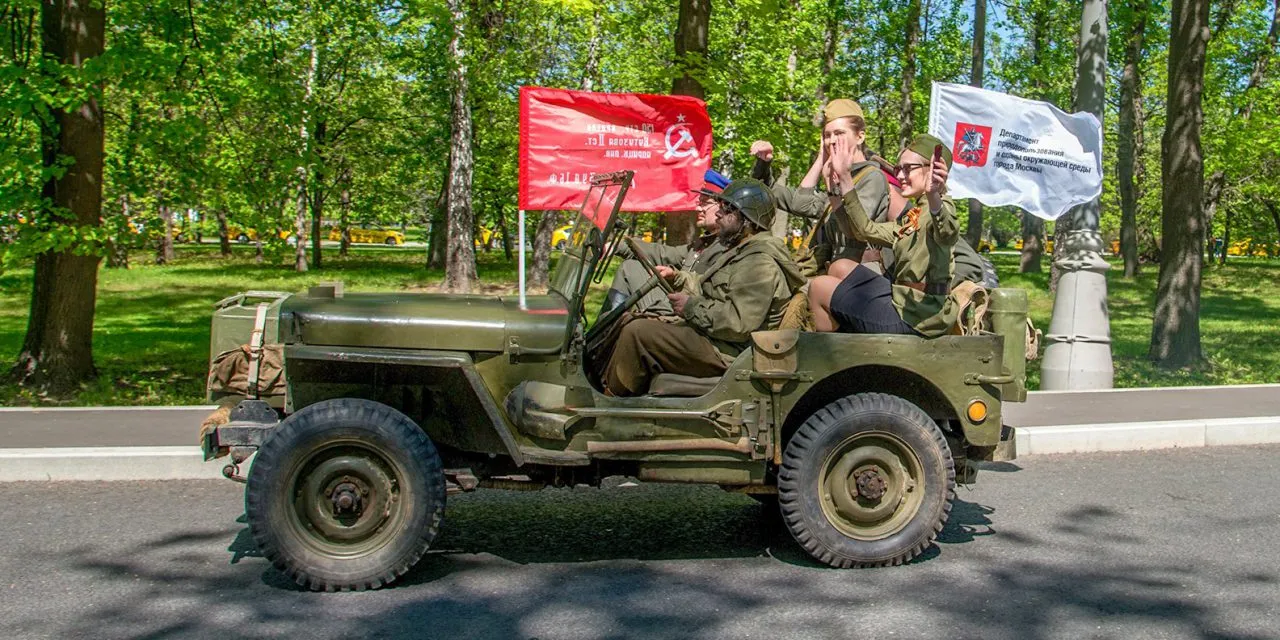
(871,485)
(346,499)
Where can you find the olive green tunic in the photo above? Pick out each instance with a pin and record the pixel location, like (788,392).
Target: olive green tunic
(831,243)
(921,257)
(630,276)
(745,289)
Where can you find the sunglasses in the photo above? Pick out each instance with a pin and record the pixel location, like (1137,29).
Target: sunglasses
(905,170)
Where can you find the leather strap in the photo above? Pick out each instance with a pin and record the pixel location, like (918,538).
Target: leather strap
(932,288)
(256,340)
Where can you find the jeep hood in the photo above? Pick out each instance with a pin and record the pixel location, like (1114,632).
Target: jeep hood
(425,321)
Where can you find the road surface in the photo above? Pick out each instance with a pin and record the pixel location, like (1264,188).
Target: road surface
(1167,544)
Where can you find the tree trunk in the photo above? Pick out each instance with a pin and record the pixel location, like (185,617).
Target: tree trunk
(1226,237)
(1262,59)
(118,245)
(224,235)
(300,211)
(1212,197)
(1175,333)
(317,193)
(539,276)
(164,250)
(1032,246)
(506,236)
(692,27)
(1033,227)
(907,111)
(975,79)
(57,351)
(1129,149)
(1275,218)
(460,254)
(591,69)
(830,37)
(344,208)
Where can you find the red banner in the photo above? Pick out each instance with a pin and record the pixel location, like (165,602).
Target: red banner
(566,136)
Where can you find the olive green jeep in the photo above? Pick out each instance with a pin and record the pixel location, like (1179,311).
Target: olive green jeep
(387,402)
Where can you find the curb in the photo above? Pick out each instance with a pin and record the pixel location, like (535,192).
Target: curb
(1142,436)
(107,463)
(187,462)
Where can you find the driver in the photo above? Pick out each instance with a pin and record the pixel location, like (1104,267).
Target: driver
(744,289)
(695,256)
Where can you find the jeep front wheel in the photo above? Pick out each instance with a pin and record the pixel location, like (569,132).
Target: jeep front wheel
(345,494)
(866,481)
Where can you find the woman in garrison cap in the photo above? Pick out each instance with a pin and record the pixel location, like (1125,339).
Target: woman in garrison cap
(841,119)
(915,299)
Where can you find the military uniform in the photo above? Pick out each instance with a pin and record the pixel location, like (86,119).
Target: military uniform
(695,257)
(832,243)
(745,288)
(922,243)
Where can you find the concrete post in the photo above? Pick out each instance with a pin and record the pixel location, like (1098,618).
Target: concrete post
(1078,355)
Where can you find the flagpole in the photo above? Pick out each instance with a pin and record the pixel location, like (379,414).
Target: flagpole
(520,222)
(1078,355)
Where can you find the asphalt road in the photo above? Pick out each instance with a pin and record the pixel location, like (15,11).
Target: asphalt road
(1171,544)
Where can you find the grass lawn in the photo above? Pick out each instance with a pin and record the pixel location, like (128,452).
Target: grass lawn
(151,336)
(1239,322)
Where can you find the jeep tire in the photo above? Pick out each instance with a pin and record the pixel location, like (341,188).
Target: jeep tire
(345,495)
(866,481)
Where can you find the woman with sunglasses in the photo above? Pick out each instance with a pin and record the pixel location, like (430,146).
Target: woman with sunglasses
(915,298)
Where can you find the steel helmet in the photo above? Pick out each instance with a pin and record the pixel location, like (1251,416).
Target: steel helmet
(753,199)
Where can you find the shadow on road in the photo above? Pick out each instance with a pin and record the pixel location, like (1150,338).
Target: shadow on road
(663,561)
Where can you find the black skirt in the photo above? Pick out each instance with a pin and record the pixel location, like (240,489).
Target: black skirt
(863,303)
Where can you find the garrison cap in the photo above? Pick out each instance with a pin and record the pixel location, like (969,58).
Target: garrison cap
(841,108)
(924,143)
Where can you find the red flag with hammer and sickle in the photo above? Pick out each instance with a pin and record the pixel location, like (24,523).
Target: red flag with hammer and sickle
(567,136)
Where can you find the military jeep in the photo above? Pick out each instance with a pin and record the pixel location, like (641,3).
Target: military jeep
(389,402)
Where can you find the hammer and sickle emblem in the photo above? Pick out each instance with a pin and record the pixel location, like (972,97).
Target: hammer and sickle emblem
(677,135)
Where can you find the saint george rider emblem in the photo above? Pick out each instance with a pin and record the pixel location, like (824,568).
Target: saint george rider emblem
(972,142)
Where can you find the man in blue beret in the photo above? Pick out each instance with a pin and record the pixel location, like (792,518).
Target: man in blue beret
(695,256)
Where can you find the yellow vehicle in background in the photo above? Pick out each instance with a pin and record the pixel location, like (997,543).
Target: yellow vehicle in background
(1248,247)
(559,237)
(984,246)
(245,235)
(369,234)
(1048,244)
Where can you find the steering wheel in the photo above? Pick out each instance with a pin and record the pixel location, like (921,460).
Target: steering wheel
(647,264)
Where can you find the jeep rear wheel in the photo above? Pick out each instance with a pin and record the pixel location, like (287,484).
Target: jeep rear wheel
(866,481)
(345,494)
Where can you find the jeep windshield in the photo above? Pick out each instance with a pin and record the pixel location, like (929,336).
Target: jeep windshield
(592,236)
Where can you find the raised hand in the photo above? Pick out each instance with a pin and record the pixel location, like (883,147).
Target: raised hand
(762,149)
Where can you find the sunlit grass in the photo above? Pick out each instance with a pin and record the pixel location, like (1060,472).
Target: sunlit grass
(1239,322)
(151,332)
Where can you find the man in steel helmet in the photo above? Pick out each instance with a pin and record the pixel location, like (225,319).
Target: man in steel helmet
(746,288)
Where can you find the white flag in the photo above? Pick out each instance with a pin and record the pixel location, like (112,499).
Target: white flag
(1013,151)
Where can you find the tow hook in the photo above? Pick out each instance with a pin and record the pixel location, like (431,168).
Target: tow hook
(232,472)
(238,455)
